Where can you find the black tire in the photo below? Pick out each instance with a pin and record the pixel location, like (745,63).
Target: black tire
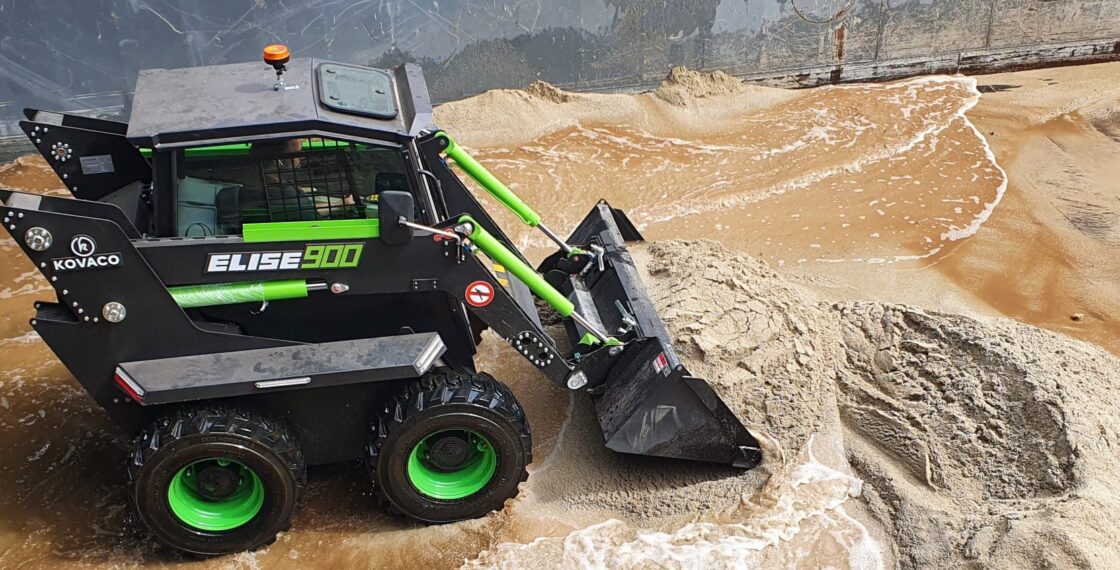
(179,442)
(447,401)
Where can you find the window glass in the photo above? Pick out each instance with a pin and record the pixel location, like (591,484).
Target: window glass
(222,187)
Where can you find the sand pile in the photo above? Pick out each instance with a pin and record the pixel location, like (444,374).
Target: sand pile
(683,85)
(977,440)
(510,117)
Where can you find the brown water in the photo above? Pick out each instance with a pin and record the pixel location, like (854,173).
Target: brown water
(841,177)
(871,174)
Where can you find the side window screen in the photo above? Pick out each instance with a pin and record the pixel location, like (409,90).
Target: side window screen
(220,188)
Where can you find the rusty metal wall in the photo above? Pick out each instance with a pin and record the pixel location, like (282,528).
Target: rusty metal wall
(83,55)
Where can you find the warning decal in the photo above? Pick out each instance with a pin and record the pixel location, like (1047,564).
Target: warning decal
(479,294)
(661,364)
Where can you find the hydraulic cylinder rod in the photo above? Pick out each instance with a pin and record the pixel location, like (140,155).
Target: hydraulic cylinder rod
(498,190)
(533,280)
(209,295)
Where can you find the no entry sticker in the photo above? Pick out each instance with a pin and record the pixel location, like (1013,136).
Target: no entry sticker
(479,294)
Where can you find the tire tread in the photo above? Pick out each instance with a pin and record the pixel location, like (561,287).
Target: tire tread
(190,422)
(444,387)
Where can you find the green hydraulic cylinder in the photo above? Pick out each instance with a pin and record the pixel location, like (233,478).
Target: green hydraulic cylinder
(529,276)
(484,178)
(209,295)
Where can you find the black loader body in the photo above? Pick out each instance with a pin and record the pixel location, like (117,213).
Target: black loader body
(296,260)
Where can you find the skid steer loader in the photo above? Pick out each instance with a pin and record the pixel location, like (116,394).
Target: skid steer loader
(263,272)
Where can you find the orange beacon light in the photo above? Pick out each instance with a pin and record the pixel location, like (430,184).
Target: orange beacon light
(277,55)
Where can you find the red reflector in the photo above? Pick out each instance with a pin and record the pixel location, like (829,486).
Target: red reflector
(128,389)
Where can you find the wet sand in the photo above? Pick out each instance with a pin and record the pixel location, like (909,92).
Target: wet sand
(869,191)
(865,190)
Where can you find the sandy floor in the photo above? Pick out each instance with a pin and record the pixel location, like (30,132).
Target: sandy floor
(994,195)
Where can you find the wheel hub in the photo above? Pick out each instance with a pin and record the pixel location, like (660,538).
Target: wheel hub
(452,464)
(448,453)
(214,481)
(215,494)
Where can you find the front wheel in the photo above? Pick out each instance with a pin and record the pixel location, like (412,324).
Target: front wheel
(452,446)
(216,481)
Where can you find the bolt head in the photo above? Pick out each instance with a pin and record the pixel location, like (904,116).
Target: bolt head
(37,238)
(577,380)
(113,312)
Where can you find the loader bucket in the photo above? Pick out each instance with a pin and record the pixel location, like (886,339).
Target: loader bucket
(647,402)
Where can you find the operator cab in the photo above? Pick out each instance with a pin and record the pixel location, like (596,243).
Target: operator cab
(217,189)
(231,145)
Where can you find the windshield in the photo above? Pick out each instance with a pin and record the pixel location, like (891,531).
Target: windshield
(220,188)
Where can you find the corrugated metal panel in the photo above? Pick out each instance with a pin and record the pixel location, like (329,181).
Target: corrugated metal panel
(84,55)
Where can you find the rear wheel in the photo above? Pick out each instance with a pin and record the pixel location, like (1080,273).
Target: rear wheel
(215,481)
(453,445)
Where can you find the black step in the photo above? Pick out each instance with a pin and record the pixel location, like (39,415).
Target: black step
(262,370)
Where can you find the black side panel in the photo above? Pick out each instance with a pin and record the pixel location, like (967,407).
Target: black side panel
(90,163)
(134,201)
(76,328)
(332,424)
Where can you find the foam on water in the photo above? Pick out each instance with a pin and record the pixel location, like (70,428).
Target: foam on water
(868,173)
(798,522)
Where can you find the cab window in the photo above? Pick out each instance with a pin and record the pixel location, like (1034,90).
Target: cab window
(220,188)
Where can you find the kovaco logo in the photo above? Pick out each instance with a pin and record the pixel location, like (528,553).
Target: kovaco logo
(84,249)
(321,256)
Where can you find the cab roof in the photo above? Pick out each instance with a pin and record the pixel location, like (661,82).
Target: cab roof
(223,103)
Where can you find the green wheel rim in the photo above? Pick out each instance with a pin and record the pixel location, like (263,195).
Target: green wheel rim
(215,515)
(461,483)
